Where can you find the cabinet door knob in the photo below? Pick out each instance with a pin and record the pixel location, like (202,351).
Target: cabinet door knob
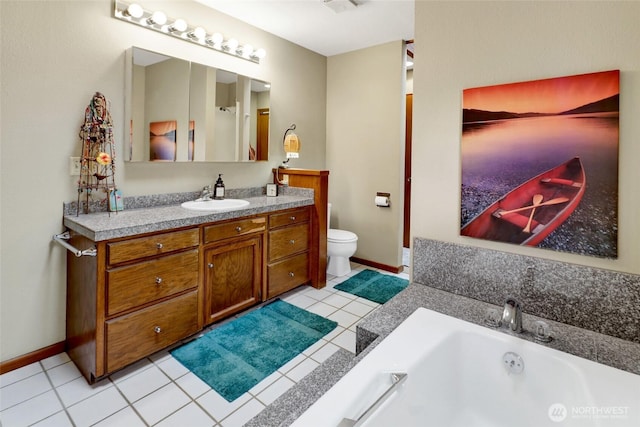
(159,245)
(292,218)
(158,280)
(238,229)
(291,274)
(210,265)
(157,329)
(292,241)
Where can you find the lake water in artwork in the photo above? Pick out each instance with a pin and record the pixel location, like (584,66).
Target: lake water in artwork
(497,156)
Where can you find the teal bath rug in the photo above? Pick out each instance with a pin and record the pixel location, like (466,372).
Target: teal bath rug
(238,355)
(373,286)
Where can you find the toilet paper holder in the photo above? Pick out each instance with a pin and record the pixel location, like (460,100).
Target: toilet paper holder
(382,199)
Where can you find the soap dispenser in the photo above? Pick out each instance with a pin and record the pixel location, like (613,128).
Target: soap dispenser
(218,191)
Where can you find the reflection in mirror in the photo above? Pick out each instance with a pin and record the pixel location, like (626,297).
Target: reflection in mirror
(184,111)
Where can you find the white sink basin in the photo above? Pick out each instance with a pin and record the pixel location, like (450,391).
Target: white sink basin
(215,205)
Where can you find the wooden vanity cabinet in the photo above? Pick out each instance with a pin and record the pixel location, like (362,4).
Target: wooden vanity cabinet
(143,293)
(233,254)
(137,296)
(288,251)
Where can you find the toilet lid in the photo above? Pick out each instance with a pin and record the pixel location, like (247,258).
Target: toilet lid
(335,235)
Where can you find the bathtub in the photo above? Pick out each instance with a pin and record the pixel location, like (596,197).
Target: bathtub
(436,370)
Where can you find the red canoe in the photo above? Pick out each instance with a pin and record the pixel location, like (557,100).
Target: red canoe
(557,192)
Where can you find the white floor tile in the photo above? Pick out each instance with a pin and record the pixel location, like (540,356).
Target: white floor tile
(336,300)
(265,383)
(321,309)
(125,417)
(324,352)
(344,319)
(218,407)
(161,403)
(32,410)
(302,369)
(172,367)
(23,390)
(314,347)
(243,414)
(132,370)
(137,386)
(20,374)
(346,340)
(193,385)
(64,373)
(358,308)
(60,419)
(336,331)
(191,415)
(317,294)
(301,301)
(275,390)
(53,361)
(97,407)
(292,363)
(78,389)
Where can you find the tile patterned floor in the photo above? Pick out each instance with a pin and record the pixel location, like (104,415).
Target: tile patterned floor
(159,391)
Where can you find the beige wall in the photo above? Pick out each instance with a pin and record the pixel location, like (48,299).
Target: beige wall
(365,147)
(54,56)
(461,45)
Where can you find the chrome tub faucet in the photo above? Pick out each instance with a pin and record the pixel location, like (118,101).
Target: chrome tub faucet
(512,315)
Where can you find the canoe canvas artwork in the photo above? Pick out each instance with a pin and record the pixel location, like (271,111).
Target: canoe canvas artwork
(539,163)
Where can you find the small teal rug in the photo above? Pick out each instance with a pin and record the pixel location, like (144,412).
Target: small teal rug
(238,355)
(374,286)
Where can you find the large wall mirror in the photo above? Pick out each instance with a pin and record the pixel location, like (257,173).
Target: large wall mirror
(181,111)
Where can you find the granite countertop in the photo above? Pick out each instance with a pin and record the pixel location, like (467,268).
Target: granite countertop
(140,219)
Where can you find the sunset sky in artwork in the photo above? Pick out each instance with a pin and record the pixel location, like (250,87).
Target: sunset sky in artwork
(544,96)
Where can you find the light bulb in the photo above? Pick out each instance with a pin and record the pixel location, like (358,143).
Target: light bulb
(134,10)
(259,53)
(158,18)
(246,50)
(231,45)
(179,25)
(198,33)
(215,40)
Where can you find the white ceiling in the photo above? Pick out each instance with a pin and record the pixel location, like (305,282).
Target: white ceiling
(315,26)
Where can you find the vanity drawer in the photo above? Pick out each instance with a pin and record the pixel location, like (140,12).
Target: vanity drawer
(142,247)
(288,240)
(134,336)
(237,228)
(287,274)
(134,285)
(288,218)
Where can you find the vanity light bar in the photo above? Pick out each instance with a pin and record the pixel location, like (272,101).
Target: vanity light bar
(158,21)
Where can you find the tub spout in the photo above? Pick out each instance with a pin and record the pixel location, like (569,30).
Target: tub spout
(512,315)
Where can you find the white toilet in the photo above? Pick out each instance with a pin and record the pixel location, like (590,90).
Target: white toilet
(341,245)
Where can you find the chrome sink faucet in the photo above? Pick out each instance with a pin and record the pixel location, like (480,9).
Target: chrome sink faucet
(206,193)
(512,315)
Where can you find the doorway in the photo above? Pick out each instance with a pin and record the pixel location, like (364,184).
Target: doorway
(406,234)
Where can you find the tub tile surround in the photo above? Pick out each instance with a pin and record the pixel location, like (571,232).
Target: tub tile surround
(144,214)
(603,301)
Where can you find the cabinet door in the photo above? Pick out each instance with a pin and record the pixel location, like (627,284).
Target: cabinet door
(233,277)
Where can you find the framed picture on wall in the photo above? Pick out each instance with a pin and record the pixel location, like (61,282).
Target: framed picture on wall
(162,141)
(539,163)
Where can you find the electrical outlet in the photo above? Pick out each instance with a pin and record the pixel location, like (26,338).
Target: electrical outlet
(74,166)
(285,179)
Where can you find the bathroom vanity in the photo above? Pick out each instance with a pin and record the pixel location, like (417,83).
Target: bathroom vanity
(163,273)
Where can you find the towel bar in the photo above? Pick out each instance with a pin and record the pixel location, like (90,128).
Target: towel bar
(62,240)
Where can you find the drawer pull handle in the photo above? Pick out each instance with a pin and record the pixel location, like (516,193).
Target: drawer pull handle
(238,229)
(157,329)
(292,241)
(158,280)
(210,265)
(159,245)
(292,218)
(291,274)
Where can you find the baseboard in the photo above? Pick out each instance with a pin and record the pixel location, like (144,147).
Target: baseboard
(29,358)
(374,264)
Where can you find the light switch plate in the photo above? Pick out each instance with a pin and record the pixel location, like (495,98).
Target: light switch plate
(272,190)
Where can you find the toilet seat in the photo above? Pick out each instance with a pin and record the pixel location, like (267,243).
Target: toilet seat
(341,236)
